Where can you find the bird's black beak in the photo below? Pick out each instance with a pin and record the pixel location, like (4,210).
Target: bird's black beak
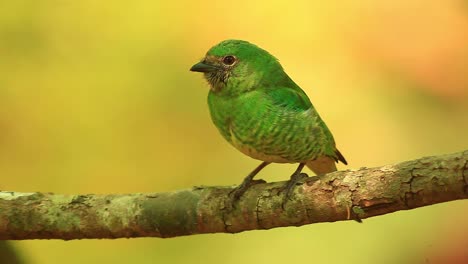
(203,67)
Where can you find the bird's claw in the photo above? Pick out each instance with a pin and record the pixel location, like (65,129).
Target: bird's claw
(237,192)
(289,189)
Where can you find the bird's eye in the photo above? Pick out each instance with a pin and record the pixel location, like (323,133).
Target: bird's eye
(229,60)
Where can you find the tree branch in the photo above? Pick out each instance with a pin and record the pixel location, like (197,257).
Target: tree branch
(337,196)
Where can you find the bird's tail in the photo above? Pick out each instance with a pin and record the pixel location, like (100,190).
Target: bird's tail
(326,164)
(322,165)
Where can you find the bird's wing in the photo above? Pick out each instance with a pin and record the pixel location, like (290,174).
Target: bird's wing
(289,99)
(295,100)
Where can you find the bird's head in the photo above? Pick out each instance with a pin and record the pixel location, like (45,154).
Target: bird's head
(235,66)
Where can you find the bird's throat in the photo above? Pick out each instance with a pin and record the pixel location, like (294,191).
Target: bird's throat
(216,80)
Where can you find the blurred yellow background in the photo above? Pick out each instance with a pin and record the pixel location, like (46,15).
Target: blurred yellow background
(96,97)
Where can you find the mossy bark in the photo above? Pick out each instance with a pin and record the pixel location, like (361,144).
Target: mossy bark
(343,195)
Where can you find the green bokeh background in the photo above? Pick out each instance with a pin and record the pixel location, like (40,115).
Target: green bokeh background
(96,97)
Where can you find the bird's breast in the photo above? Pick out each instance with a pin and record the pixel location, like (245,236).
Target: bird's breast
(252,150)
(266,132)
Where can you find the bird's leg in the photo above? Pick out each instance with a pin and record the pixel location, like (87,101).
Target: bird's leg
(240,190)
(295,177)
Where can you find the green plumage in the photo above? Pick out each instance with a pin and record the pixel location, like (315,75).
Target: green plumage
(261,111)
(274,126)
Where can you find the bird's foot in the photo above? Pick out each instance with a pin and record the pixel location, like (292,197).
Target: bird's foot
(312,180)
(289,189)
(248,181)
(237,192)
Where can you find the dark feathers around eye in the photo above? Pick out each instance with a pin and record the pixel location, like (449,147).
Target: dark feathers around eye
(229,60)
(219,78)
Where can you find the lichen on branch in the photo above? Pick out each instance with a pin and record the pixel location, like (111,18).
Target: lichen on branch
(337,196)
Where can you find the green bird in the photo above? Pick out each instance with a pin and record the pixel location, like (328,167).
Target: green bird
(263,113)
